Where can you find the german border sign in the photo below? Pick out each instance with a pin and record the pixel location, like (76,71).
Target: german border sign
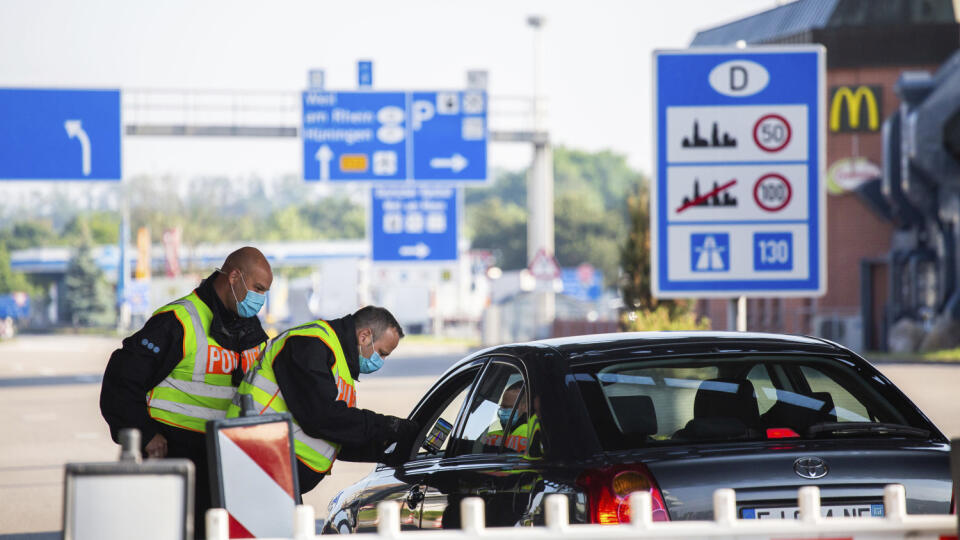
(739,199)
(392,137)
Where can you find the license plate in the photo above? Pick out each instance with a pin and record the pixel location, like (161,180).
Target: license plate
(830,510)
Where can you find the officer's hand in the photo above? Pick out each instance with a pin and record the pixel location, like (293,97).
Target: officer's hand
(157,447)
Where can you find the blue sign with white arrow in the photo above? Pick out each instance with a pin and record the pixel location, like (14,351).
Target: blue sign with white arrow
(414,224)
(390,137)
(48,134)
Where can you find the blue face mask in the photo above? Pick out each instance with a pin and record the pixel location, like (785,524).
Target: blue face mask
(503,413)
(252,302)
(371,364)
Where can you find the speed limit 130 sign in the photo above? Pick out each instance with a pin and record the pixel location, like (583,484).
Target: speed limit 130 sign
(738,205)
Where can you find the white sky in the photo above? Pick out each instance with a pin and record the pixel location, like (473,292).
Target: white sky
(596,60)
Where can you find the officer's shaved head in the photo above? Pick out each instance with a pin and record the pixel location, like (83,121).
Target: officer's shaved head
(246,259)
(246,269)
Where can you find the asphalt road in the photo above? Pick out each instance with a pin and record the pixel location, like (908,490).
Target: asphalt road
(49,390)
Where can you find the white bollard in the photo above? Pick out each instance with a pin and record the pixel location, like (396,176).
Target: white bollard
(725,506)
(558,512)
(641,509)
(471,515)
(304,522)
(808,499)
(218,524)
(388,519)
(895,502)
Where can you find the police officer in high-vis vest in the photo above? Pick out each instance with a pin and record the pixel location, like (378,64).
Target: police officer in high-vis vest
(182,368)
(311,372)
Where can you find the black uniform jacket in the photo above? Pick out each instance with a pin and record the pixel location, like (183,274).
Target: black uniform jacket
(148,356)
(303,369)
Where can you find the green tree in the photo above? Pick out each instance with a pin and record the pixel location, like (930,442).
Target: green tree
(30,233)
(635,284)
(104,228)
(584,231)
(88,298)
(500,227)
(644,312)
(11,281)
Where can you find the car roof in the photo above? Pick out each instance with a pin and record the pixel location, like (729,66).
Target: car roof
(574,347)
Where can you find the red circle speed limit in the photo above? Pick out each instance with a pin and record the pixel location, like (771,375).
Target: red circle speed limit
(772,133)
(772,192)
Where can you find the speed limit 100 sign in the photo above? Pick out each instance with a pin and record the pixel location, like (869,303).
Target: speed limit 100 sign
(738,202)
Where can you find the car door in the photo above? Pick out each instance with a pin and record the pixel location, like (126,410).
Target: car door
(405,484)
(489,457)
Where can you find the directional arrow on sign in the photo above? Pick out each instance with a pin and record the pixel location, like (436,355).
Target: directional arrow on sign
(324,155)
(418,250)
(455,163)
(75,131)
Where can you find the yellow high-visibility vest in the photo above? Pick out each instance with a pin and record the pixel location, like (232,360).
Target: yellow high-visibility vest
(261,384)
(199,387)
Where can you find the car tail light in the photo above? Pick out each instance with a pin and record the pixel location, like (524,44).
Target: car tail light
(781,433)
(608,492)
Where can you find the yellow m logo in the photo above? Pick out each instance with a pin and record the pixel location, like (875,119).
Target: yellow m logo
(854,100)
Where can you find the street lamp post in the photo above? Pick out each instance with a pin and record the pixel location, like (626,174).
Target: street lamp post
(540,235)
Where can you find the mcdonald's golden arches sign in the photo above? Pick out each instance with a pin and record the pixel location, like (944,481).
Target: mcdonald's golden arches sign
(856,108)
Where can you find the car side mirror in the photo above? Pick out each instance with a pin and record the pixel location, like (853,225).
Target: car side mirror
(437,436)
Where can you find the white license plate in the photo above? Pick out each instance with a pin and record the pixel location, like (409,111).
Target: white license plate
(830,510)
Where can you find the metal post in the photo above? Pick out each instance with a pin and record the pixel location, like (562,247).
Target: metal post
(540,191)
(737,314)
(130,445)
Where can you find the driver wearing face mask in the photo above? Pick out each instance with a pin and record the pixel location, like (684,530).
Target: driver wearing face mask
(311,372)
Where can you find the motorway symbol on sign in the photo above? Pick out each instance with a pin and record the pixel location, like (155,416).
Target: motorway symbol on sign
(414,224)
(50,134)
(738,202)
(390,137)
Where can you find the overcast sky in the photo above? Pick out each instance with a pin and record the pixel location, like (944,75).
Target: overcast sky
(596,60)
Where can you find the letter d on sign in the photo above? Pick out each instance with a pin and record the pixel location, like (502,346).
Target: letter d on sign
(739,78)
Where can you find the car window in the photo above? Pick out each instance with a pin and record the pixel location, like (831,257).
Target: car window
(847,408)
(443,402)
(677,401)
(498,418)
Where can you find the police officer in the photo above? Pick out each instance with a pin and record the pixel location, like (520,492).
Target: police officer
(311,371)
(182,368)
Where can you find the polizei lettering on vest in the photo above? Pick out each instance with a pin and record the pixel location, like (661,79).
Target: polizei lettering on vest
(222,361)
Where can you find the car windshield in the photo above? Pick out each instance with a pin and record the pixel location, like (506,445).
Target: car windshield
(678,401)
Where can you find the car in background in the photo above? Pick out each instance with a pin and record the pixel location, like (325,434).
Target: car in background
(680,415)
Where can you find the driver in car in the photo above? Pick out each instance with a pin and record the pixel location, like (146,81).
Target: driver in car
(512,416)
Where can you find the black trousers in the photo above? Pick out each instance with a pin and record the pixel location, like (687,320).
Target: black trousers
(191,445)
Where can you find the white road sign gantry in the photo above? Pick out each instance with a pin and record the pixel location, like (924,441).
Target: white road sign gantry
(738,205)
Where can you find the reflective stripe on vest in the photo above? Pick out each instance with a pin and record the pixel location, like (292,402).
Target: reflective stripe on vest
(260,383)
(199,387)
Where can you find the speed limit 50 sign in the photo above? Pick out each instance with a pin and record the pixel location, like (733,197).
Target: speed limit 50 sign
(738,205)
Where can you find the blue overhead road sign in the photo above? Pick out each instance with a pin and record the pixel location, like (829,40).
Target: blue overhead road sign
(739,198)
(391,137)
(414,224)
(48,134)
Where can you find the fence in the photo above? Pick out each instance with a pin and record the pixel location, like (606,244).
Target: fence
(895,524)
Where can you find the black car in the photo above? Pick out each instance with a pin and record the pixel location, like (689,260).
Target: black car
(679,414)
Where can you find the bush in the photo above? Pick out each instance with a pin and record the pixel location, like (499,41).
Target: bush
(663,318)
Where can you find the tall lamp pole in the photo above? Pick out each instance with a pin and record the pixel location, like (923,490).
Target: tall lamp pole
(540,235)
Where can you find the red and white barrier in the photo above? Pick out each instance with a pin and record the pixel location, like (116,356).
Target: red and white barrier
(895,525)
(255,480)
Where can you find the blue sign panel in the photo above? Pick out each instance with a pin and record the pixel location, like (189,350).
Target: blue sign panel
(364,73)
(48,134)
(390,137)
(739,198)
(414,224)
